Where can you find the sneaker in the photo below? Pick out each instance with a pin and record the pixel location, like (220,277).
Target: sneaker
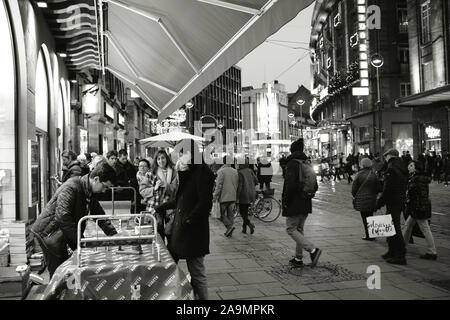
(399,261)
(315,257)
(296,263)
(229,232)
(429,256)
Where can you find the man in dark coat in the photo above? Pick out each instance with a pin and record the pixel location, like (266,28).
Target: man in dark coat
(190,231)
(394,197)
(71,167)
(296,206)
(446,167)
(56,227)
(126,177)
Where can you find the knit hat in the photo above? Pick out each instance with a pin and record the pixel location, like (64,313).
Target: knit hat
(297,146)
(366,163)
(392,152)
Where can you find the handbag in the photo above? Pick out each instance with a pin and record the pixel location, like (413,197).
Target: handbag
(380,226)
(215,210)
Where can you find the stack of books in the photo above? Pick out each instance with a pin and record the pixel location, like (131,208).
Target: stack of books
(17,242)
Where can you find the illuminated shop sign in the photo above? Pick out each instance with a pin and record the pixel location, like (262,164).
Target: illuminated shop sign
(360,38)
(432,132)
(121,120)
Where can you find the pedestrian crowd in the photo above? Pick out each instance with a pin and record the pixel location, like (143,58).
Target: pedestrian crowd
(401,184)
(180,191)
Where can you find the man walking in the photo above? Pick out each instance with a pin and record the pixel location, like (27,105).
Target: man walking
(394,196)
(297,204)
(225,192)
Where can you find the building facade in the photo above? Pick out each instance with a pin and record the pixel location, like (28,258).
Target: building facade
(300,122)
(354,108)
(429,48)
(218,106)
(265,114)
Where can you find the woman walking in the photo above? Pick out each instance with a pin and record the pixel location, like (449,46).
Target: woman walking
(365,189)
(418,207)
(246,193)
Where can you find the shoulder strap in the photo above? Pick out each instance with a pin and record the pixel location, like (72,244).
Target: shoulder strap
(367,179)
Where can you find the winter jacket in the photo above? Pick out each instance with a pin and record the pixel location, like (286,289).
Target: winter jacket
(226,184)
(294,204)
(126,177)
(190,230)
(365,189)
(246,192)
(418,204)
(151,197)
(264,172)
(73,169)
(72,201)
(394,186)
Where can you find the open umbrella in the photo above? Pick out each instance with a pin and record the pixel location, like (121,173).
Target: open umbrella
(170,139)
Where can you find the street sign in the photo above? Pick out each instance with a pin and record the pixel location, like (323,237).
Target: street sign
(207,122)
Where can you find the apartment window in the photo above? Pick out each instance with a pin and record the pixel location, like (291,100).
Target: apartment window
(426,21)
(402,20)
(403,55)
(405,89)
(427,75)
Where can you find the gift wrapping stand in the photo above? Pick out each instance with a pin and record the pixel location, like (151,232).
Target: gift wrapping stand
(143,234)
(113,189)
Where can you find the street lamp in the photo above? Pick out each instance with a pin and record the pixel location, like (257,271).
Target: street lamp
(301,102)
(377,62)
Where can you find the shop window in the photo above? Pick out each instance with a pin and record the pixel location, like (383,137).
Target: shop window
(405,89)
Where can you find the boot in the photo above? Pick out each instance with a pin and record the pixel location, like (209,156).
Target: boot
(252,228)
(244,228)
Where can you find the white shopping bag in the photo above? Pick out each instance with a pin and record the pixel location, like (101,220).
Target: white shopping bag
(380,226)
(215,210)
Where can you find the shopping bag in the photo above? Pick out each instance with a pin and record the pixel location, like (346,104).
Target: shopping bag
(380,226)
(215,210)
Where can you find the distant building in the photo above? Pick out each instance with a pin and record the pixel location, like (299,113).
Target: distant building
(221,102)
(429,49)
(342,47)
(265,111)
(300,122)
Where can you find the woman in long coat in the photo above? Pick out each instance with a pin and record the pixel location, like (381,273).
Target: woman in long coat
(365,189)
(418,207)
(190,230)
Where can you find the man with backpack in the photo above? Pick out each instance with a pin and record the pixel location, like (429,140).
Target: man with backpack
(300,186)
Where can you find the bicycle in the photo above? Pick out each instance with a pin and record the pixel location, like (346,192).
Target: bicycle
(266,208)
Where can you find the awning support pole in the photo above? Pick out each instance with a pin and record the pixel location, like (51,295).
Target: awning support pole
(232,6)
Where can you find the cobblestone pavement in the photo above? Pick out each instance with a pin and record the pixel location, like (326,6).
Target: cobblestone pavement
(256,266)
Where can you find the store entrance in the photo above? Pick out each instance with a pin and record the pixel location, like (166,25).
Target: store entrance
(40,179)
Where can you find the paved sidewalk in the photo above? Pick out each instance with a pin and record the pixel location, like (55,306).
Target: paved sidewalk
(256,266)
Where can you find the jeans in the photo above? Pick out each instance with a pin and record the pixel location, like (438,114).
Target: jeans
(243,210)
(294,228)
(227,213)
(425,228)
(199,283)
(396,243)
(54,257)
(264,183)
(364,216)
(196,267)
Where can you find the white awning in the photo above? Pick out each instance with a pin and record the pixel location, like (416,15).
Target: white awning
(170,50)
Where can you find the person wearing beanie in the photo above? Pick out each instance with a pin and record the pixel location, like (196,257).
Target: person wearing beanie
(296,206)
(393,197)
(365,189)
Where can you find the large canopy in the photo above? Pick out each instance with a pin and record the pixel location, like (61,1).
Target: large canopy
(172,136)
(170,50)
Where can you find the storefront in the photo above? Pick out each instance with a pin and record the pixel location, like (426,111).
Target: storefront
(432,138)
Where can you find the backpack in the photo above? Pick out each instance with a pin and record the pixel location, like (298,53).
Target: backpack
(308,175)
